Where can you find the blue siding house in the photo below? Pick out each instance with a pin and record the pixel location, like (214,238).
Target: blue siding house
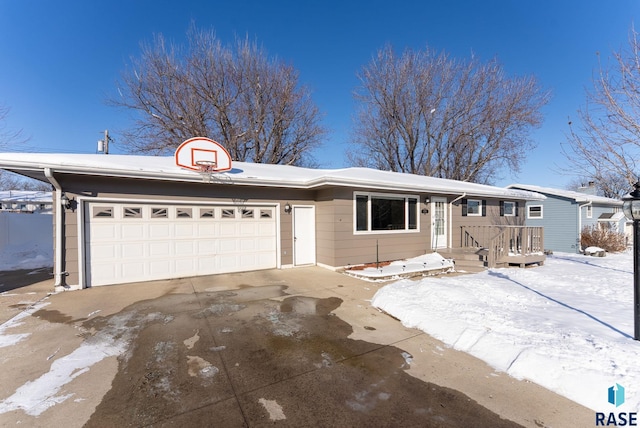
(564,213)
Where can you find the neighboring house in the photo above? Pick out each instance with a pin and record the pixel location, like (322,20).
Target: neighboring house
(124,219)
(564,214)
(26,201)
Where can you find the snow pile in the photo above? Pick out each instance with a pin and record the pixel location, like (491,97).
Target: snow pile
(26,256)
(397,269)
(567,325)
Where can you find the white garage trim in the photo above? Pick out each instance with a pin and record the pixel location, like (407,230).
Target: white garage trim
(140,239)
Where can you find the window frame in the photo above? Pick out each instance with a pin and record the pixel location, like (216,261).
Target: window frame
(479,213)
(534,217)
(514,210)
(409,202)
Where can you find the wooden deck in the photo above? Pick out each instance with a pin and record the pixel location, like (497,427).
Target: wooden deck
(503,246)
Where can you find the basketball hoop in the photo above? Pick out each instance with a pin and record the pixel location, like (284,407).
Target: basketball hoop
(206,169)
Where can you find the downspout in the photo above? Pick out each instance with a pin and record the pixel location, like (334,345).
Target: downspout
(580,224)
(464,195)
(59,275)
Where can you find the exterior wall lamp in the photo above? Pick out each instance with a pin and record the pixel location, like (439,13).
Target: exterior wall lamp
(287,208)
(66,202)
(631,209)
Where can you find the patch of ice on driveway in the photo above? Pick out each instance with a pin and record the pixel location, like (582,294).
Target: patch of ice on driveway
(275,410)
(190,342)
(35,397)
(12,339)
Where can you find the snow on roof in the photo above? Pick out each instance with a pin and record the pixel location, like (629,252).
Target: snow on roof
(569,194)
(35,196)
(244,173)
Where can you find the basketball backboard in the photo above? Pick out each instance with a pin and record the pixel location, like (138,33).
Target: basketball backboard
(198,151)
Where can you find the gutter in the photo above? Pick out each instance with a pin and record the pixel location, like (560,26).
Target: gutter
(59,275)
(580,224)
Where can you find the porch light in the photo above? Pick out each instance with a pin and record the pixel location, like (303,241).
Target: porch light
(631,209)
(287,208)
(65,202)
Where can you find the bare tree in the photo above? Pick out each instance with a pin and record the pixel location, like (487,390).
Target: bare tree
(10,138)
(606,143)
(236,95)
(426,113)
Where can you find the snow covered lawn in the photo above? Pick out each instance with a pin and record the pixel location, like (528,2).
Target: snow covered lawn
(567,325)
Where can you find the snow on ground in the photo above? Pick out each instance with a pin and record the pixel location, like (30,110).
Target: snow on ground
(567,325)
(425,263)
(28,256)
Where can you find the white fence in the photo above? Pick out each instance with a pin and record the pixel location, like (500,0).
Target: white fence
(24,237)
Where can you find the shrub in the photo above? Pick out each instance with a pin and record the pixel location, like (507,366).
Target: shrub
(604,238)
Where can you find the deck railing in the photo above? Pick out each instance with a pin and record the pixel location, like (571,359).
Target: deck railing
(502,242)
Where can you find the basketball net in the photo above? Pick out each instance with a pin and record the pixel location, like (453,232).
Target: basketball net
(206,169)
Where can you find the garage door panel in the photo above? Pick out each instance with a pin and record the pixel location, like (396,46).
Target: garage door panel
(247,245)
(228,245)
(132,250)
(132,231)
(184,248)
(184,230)
(133,269)
(206,246)
(159,268)
(247,229)
(131,242)
(206,230)
(228,229)
(159,231)
(158,249)
(102,252)
(104,231)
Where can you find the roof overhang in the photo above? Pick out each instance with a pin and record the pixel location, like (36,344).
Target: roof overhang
(248,174)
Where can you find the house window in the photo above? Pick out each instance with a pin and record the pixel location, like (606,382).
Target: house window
(375,212)
(589,211)
(474,207)
(508,209)
(534,211)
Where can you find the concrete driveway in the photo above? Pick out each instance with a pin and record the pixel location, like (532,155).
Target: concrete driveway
(297,347)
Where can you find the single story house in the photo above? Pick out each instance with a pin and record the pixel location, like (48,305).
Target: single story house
(564,213)
(26,201)
(122,218)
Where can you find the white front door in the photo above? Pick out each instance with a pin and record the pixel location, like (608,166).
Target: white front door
(304,235)
(439,222)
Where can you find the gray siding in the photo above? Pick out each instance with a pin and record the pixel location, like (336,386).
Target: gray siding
(560,222)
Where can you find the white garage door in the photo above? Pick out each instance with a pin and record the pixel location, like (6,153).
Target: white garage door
(129,242)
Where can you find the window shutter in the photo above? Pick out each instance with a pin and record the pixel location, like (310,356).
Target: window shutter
(517,214)
(484,208)
(501,208)
(464,207)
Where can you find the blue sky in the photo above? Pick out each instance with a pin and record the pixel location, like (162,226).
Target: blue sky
(59,61)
